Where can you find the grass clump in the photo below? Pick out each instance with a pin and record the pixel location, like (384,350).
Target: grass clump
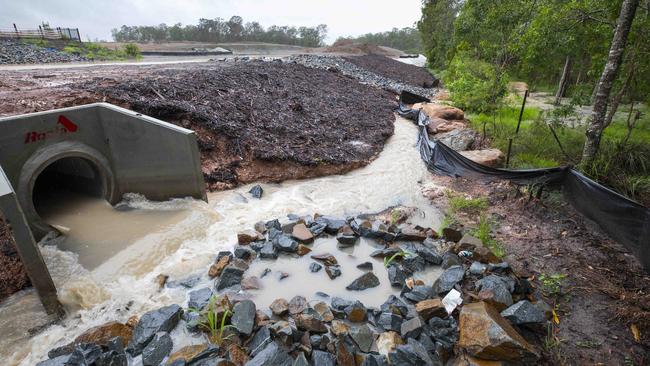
(552,283)
(95,51)
(467,205)
(484,232)
(213,319)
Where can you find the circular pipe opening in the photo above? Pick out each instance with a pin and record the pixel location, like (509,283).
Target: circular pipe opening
(66,178)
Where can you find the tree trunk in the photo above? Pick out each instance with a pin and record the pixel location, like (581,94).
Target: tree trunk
(597,123)
(564,81)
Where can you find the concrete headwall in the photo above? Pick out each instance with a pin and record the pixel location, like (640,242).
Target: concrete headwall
(130,152)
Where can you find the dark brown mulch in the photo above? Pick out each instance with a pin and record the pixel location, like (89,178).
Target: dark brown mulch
(272,110)
(12,273)
(396,70)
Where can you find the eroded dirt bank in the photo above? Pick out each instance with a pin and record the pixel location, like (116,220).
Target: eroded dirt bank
(598,288)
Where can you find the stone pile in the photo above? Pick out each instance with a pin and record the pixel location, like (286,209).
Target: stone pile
(473,313)
(13,52)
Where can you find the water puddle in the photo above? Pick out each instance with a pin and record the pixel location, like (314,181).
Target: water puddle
(105,268)
(301,281)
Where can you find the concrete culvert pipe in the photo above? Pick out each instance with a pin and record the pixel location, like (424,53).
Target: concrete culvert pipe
(52,174)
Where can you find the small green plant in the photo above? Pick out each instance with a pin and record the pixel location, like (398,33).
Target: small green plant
(551,341)
(401,253)
(447,221)
(212,319)
(484,232)
(132,50)
(459,203)
(589,343)
(552,284)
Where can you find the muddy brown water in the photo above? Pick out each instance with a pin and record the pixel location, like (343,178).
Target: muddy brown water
(105,268)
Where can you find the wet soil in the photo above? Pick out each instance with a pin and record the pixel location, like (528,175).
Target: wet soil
(393,69)
(12,274)
(605,293)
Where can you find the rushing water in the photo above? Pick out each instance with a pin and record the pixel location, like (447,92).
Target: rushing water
(106,265)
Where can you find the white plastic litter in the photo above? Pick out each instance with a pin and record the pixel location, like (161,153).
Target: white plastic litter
(451,301)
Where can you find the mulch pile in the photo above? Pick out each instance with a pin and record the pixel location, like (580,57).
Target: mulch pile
(393,69)
(271,111)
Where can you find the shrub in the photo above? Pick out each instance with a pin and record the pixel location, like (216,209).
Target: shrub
(475,85)
(132,50)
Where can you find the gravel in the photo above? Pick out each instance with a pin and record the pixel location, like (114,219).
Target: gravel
(347,68)
(12,52)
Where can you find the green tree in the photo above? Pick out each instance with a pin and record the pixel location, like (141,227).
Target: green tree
(436,28)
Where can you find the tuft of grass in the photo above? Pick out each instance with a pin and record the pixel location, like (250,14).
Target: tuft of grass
(96,51)
(401,253)
(484,232)
(212,319)
(552,283)
(459,203)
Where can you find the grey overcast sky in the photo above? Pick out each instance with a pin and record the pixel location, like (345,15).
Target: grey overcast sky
(96,18)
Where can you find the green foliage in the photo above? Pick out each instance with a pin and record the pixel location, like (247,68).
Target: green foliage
(221,30)
(401,253)
(212,319)
(406,39)
(467,205)
(484,232)
(436,29)
(552,283)
(132,50)
(40,42)
(475,85)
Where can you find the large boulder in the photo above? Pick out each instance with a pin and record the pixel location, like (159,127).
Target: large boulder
(489,157)
(485,334)
(164,319)
(441,111)
(459,140)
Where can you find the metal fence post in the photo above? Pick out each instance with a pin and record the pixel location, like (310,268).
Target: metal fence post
(521,114)
(16,29)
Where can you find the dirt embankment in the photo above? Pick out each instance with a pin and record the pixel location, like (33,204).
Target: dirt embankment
(12,273)
(599,290)
(393,69)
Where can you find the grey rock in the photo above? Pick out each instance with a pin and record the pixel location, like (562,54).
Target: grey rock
(112,358)
(231,276)
(413,353)
(315,267)
(419,293)
(199,298)
(365,281)
(356,308)
(414,263)
(244,253)
(374,359)
(301,360)
(450,259)
(444,332)
(57,361)
(363,336)
(332,224)
(285,244)
(428,254)
(297,305)
(333,271)
(321,358)
(477,268)
(394,305)
(390,321)
(269,251)
(412,328)
(260,340)
(271,355)
(459,140)
(256,191)
(365,266)
(157,349)
(243,317)
(164,319)
(448,279)
(500,286)
(397,274)
(273,224)
(340,304)
(524,312)
(346,239)
(451,234)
